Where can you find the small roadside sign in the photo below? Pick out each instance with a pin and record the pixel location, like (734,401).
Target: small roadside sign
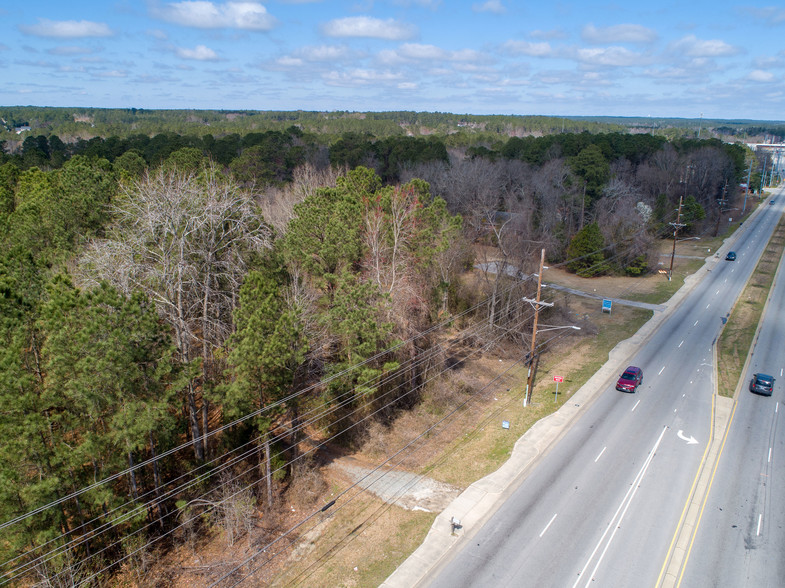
(606,305)
(557,379)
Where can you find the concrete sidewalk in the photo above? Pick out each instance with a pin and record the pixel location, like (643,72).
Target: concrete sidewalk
(475,505)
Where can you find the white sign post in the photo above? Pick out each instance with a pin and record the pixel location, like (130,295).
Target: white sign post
(557,379)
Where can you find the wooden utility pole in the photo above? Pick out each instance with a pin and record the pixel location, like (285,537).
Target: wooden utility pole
(676,226)
(747,190)
(532,362)
(721,203)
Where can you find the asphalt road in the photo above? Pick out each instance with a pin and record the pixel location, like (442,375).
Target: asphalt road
(601,508)
(741,537)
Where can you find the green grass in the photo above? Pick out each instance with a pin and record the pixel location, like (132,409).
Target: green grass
(667,288)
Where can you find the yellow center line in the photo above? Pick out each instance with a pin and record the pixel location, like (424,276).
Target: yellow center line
(706,497)
(689,498)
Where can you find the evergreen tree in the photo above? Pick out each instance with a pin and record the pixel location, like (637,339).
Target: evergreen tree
(324,238)
(585,251)
(265,351)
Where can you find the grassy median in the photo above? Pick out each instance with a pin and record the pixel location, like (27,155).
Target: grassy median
(735,341)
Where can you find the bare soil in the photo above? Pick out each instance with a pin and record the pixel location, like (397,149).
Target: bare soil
(452,438)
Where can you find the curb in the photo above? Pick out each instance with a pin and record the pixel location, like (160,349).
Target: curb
(480,500)
(475,505)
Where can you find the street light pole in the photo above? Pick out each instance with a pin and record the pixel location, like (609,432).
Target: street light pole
(676,226)
(532,355)
(530,378)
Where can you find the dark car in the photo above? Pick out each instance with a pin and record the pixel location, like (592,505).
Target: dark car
(762,384)
(630,379)
(731,256)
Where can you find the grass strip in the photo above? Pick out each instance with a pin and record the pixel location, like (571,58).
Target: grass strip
(735,341)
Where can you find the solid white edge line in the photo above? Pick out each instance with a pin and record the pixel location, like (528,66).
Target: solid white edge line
(548,525)
(622,509)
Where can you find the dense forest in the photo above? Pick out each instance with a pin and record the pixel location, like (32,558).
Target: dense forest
(179,308)
(71,124)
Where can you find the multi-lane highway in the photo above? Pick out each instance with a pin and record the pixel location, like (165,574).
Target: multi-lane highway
(603,506)
(740,540)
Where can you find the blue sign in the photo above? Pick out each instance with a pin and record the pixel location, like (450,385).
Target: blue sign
(606,304)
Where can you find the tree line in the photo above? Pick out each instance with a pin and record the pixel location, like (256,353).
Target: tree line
(206,294)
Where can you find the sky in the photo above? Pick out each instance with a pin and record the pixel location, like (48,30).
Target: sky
(716,59)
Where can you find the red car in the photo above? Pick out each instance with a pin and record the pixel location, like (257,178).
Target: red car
(630,379)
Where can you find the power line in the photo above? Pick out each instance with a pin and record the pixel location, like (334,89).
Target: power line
(236,459)
(234,423)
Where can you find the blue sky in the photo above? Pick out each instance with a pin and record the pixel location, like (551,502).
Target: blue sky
(718,59)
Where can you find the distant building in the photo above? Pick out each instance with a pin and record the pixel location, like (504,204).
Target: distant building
(22,129)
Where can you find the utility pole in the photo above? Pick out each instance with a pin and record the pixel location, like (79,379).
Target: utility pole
(532,362)
(676,226)
(746,190)
(763,175)
(721,203)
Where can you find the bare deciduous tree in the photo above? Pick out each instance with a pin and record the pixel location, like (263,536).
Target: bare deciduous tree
(182,239)
(278,204)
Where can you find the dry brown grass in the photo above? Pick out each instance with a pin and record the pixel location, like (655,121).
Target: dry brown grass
(361,539)
(736,338)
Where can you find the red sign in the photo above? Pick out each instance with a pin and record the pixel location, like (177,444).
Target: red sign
(558,378)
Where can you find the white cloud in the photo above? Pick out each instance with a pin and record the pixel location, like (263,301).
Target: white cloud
(770,14)
(494,6)
(530,49)
(365,26)
(67,29)
(548,35)
(323,53)
(288,61)
(759,75)
(359,77)
(432,4)
(70,50)
(418,51)
(199,53)
(313,54)
(115,73)
(614,56)
(672,73)
(694,47)
(199,14)
(623,33)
